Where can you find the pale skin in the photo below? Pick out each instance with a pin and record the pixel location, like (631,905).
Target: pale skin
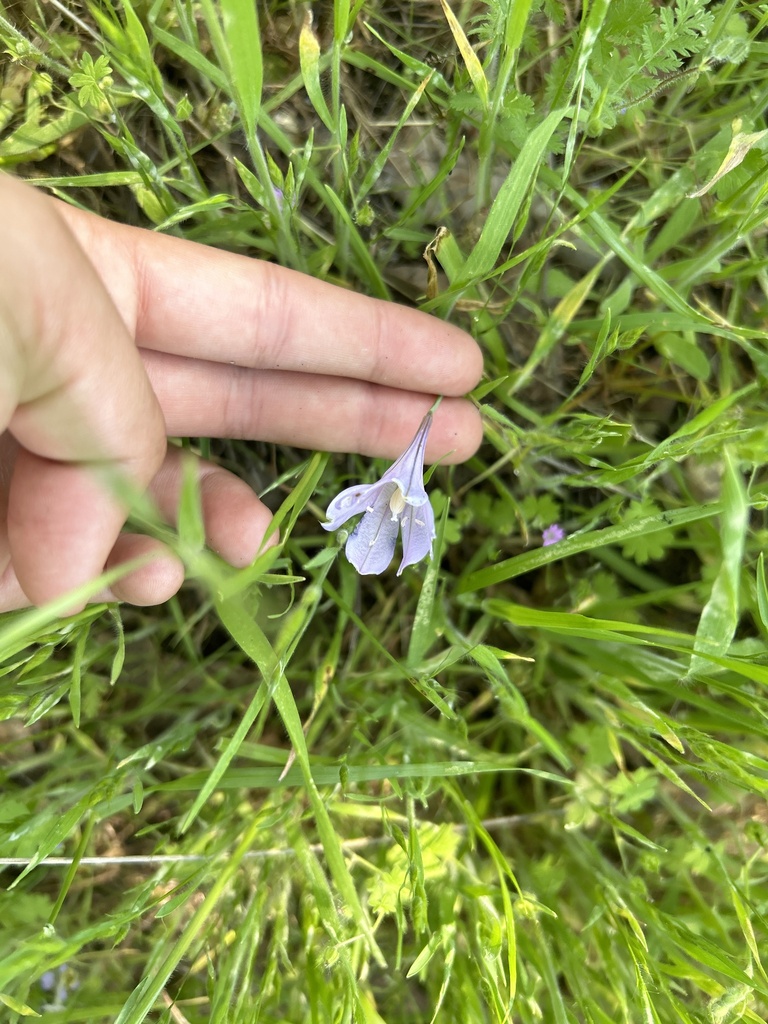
(114,338)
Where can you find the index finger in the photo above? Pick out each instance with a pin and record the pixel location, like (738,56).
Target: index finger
(192,300)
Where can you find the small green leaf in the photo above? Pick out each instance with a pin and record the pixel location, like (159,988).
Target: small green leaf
(309,59)
(16,1006)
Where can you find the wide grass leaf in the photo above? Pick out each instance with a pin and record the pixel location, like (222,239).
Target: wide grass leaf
(509,200)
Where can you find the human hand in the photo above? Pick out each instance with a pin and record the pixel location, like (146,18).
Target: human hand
(113,337)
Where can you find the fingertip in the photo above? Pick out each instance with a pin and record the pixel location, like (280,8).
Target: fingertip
(152,583)
(468,363)
(236,520)
(450,361)
(457,432)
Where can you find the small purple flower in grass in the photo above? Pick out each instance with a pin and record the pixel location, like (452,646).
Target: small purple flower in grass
(60,983)
(396,502)
(552,535)
(47,981)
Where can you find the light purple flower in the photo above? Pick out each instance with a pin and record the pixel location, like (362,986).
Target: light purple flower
(552,535)
(397,501)
(60,983)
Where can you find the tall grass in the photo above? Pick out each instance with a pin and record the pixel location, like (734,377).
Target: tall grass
(525,782)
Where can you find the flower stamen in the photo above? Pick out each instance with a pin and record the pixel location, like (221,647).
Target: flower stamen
(396,503)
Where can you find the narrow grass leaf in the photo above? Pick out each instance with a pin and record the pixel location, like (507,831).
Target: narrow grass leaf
(381,159)
(309,60)
(119,659)
(330,775)
(190,55)
(145,995)
(436,180)
(282,522)
(190,522)
(422,630)
(295,503)
(762,591)
(61,828)
(77,670)
(213,779)
(208,205)
(606,231)
(601,347)
(241,33)
(580,625)
(286,705)
(14,636)
(701,423)
(344,16)
(720,615)
(252,640)
(515,23)
(558,323)
(326,900)
(517,706)
(426,953)
(741,144)
(468,55)
(449,943)
(669,773)
(710,954)
(31,139)
(366,63)
(72,870)
(108,179)
(503,873)
(367,268)
(529,560)
(744,916)
(595,15)
(17,1007)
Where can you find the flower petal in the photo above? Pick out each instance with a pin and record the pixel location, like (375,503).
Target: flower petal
(418,533)
(408,470)
(351,502)
(371,544)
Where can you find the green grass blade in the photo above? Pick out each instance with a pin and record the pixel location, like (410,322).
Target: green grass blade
(309,59)
(720,615)
(286,705)
(243,42)
(509,200)
(142,1000)
(468,55)
(366,266)
(511,567)
(423,628)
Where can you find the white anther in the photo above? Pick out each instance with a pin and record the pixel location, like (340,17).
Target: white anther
(397,503)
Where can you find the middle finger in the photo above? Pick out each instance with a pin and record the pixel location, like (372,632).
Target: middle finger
(204,399)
